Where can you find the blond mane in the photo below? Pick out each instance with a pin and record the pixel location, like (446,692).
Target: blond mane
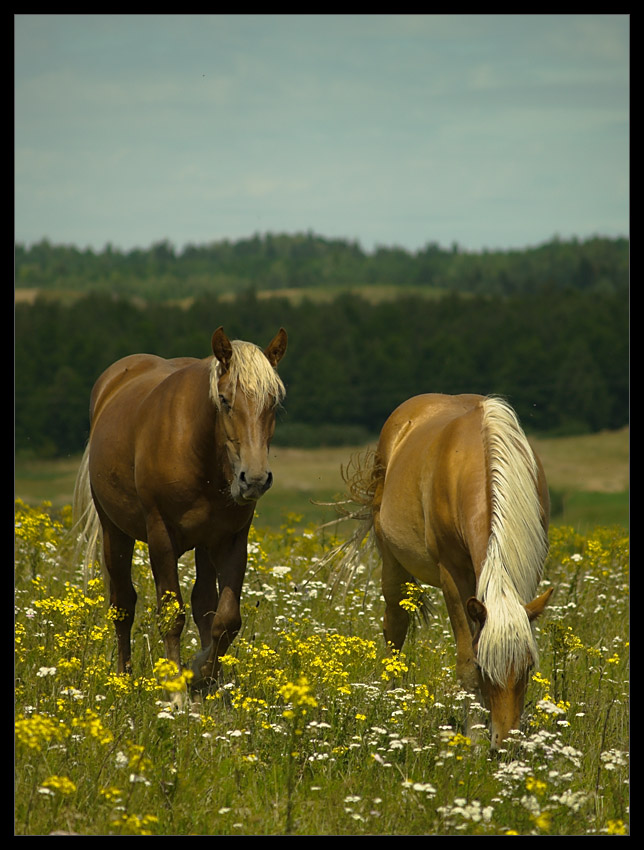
(251,372)
(517,546)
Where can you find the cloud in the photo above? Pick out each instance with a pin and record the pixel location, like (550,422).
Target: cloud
(390,128)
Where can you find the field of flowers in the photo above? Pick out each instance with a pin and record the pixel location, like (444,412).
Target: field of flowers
(316,729)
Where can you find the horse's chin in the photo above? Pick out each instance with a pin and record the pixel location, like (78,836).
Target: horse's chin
(243,501)
(246,497)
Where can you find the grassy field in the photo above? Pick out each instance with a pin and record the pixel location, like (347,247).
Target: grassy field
(317,727)
(588,478)
(374,293)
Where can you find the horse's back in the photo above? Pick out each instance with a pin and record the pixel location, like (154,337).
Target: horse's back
(430,412)
(134,376)
(124,405)
(433,489)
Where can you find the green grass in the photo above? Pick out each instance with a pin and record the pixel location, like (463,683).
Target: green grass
(588,477)
(316,729)
(584,510)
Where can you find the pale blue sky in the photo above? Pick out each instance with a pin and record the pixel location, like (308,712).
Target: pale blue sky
(492,131)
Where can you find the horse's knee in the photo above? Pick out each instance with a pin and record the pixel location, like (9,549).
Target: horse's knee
(226,625)
(468,675)
(171,615)
(121,611)
(227,620)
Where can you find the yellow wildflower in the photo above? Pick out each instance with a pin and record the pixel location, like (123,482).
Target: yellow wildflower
(394,666)
(299,696)
(170,677)
(61,784)
(135,825)
(543,821)
(537,786)
(38,730)
(616,827)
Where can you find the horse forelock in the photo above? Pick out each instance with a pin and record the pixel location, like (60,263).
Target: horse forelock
(517,546)
(249,371)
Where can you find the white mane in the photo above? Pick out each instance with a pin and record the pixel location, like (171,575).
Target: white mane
(517,547)
(250,371)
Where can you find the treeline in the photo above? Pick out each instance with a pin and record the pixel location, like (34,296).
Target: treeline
(271,262)
(560,356)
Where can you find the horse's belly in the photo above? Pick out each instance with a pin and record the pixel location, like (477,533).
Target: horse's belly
(111,473)
(118,500)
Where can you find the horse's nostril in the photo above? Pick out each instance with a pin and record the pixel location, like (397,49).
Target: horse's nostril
(255,483)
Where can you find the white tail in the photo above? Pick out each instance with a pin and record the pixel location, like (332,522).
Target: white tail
(86,527)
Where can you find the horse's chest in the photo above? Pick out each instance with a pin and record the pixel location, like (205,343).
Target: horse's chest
(205,522)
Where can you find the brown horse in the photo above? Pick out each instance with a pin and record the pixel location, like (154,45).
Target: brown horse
(178,457)
(457,499)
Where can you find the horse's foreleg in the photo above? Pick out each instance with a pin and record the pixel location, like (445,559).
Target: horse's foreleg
(226,622)
(457,588)
(456,593)
(117,555)
(205,596)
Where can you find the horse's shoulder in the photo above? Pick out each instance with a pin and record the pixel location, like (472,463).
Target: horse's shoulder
(131,366)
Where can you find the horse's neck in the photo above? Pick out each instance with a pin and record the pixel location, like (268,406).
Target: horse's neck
(206,434)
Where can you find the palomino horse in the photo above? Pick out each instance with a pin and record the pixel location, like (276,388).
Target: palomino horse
(177,457)
(457,499)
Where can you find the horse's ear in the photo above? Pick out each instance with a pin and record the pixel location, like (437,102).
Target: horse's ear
(277,348)
(221,348)
(536,607)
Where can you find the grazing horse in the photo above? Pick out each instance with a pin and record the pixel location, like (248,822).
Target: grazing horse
(456,499)
(178,457)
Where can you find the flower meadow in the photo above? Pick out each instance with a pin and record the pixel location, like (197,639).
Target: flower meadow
(316,728)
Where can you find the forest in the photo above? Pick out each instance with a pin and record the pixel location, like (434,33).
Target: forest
(281,261)
(548,328)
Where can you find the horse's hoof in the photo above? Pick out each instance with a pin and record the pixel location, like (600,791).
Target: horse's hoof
(196,697)
(202,684)
(177,700)
(202,669)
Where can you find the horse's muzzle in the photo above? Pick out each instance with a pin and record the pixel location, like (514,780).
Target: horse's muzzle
(252,487)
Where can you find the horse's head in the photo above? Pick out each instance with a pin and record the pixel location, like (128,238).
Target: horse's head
(246,390)
(504,695)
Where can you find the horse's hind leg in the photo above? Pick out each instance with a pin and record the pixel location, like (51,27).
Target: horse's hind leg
(170,610)
(117,553)
(396,619)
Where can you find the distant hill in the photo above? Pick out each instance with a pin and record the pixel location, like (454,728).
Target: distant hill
(310,263)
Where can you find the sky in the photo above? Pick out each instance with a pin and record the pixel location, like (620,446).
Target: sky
(489,131)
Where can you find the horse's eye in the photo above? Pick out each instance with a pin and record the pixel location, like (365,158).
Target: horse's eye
(224,402)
